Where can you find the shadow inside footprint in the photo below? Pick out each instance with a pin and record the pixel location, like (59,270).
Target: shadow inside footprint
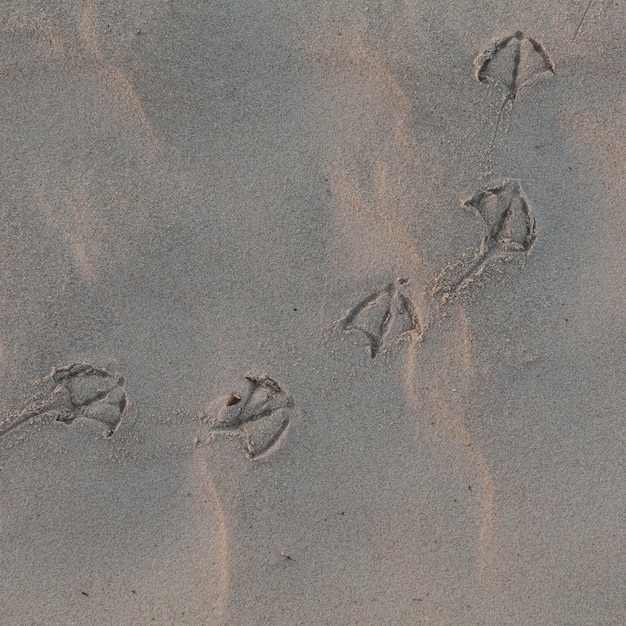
(512,63)
(94,393)
(510,228)
(81,391)
(385,317)
(260,414)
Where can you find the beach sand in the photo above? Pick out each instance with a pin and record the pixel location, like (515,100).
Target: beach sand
(312,313)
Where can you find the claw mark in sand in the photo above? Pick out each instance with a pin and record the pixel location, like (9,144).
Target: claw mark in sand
(81,391)
(385,317)
(510,226)
(259,414)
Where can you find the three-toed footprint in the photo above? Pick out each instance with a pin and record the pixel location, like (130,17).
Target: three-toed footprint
(259,413)
(80,391)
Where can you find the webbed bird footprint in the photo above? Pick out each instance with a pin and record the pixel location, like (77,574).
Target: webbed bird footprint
(513,62)
(384,317)
(81,391)
(259,414)
(510,228)
(510,64)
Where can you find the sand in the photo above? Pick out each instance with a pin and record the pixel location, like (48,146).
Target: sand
(312,313)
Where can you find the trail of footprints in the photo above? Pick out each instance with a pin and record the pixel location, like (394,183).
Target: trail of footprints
(510,64)
(260,412)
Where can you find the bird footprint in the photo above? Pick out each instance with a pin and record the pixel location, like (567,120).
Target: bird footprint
(259,414)
(510,228)
(384,317)
(81,391)
(512,63)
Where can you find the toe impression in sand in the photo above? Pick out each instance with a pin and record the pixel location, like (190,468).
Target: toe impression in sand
(510,228)
(385,317)
(259,414)
(82,391)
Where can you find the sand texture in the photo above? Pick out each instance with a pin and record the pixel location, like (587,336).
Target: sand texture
(312,312)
